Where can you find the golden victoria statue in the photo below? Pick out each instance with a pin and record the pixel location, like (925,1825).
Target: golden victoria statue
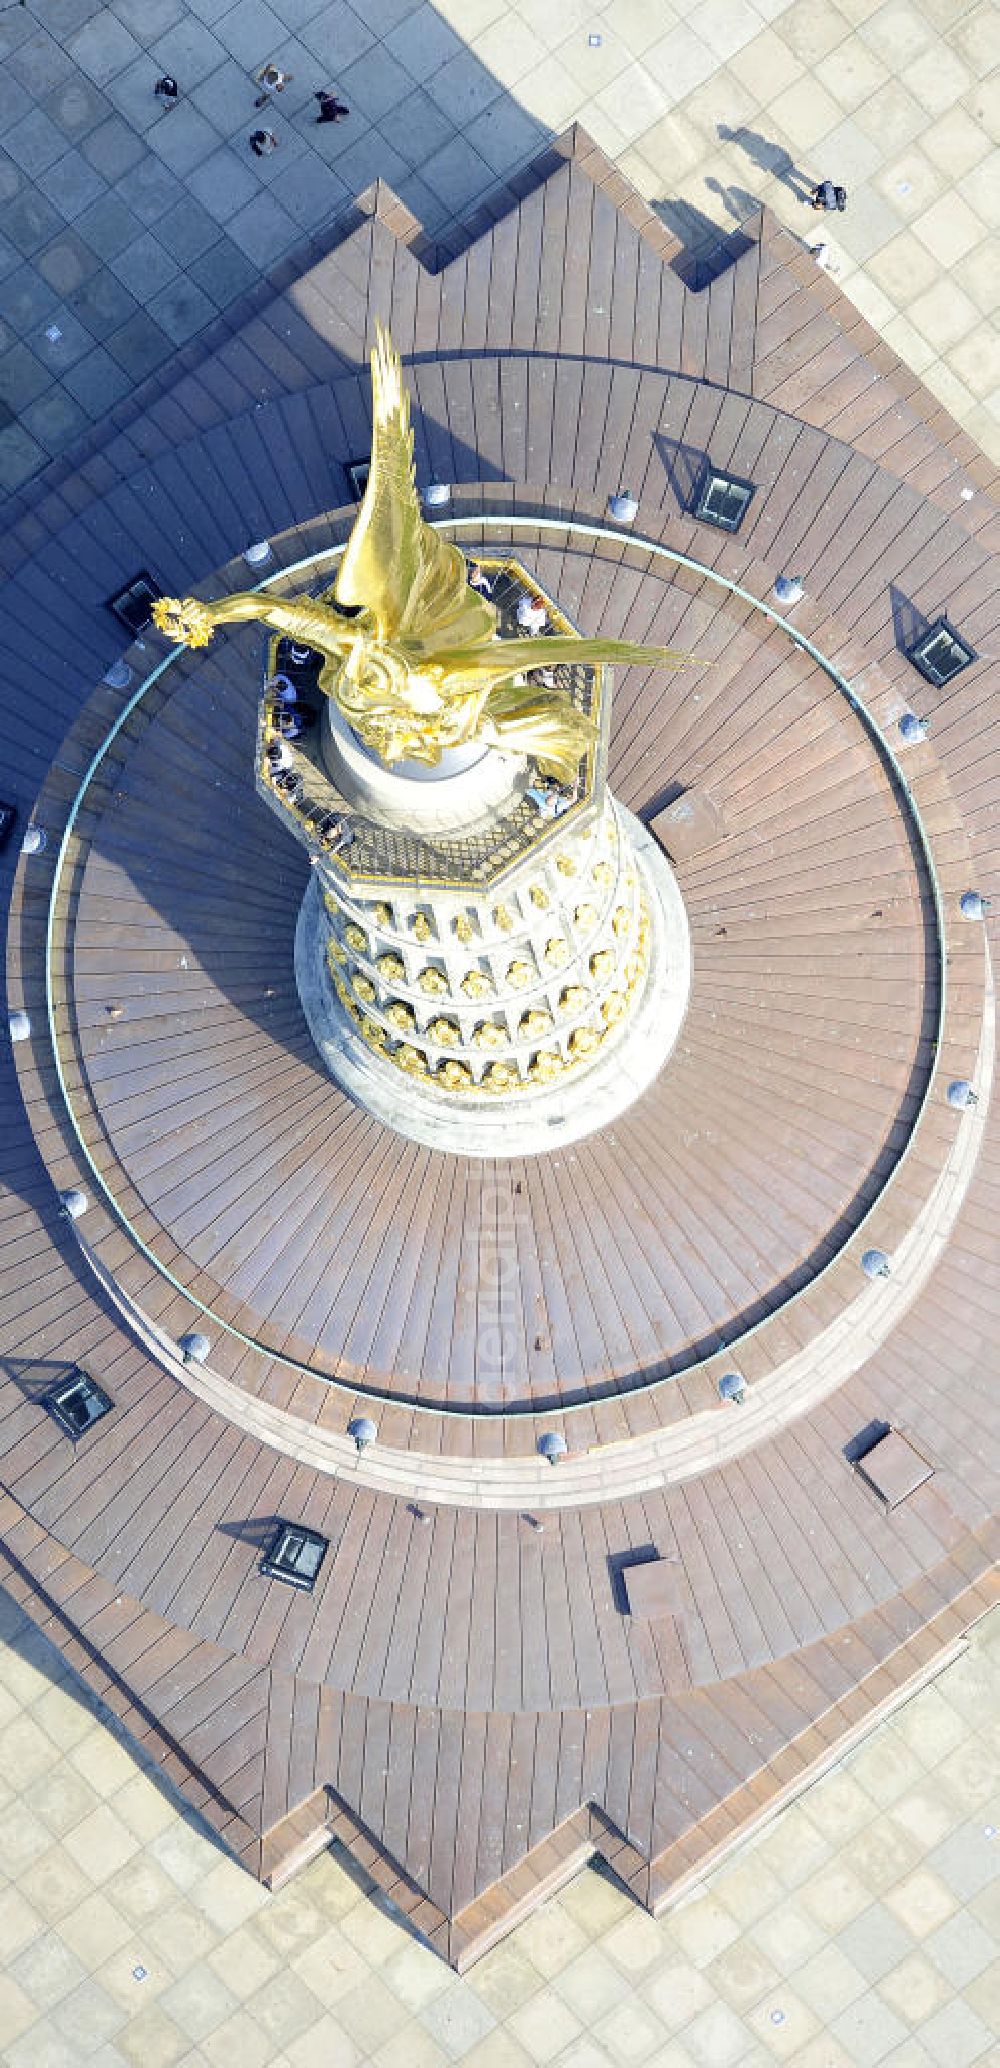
(411,652)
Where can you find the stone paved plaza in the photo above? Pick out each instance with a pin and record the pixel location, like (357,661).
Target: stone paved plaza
(127,228)
(862,1926)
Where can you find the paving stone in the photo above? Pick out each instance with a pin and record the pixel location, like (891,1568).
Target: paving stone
(716,2038)
(374,84)
(11,180)
(34,142)
(181,310)
(63,16)
(457,2020)
(76,107)
(103,47)
(152,2040)
(20,458)
(966,1860)
(224,271)
(304,75)
(984,1995)
(108,225)
(369,156)
(422,42)
(251,32)
(145,266)
(962,1949)
(506,136)
(869,2031)
(190,50)
(47,1970)
(915,1989)
(291,145)
(828,1982)
(187,230)
(337,36)
(30,221)
(152,188)
(113,149)
(311,191)
(40,64)
(140,346)
(286,2008)
(71,184)
(226,98)
(296,13)
(15,29)
(973,1772)
(184,139)
(463,86)
(15,101)
(223,184)
(457,174)
(956,2035)
(89,2017)
(922,1902)
(209,11)
(45,2044)
(263,229)
(199,2002)
(875,1942)
(62,340)
(798,82)
(955,144)
(420,127)
(28,300)
(591,1985)
(148,19)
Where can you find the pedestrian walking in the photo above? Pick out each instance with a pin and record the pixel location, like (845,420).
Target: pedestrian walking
(330,108)
(263,142)
(167,90)
(826,195)
(271,80)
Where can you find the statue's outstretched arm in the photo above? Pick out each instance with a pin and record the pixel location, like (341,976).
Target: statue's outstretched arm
(191,622)
(303,618)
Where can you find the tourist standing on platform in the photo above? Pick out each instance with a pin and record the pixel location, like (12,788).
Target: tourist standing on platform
(531,614)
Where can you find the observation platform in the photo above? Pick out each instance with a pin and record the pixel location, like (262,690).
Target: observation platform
(465,1699)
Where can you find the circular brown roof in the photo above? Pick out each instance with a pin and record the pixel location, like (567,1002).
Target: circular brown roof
(324,1239)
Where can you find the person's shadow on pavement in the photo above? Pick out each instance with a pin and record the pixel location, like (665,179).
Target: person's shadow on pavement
(769,157)
(737,201)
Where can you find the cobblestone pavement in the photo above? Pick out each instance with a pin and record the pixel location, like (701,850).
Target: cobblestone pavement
(861,1927)
(126,226)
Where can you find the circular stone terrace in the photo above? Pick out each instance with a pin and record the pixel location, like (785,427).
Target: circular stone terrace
(718,1225)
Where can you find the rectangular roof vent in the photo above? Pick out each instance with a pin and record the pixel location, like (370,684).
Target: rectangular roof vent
(77,1403)
(940,653)
(893,1468)
(295,1555)
(722,499)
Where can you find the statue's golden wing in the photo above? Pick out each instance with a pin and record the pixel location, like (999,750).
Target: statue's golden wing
(414,584)
(512,656)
